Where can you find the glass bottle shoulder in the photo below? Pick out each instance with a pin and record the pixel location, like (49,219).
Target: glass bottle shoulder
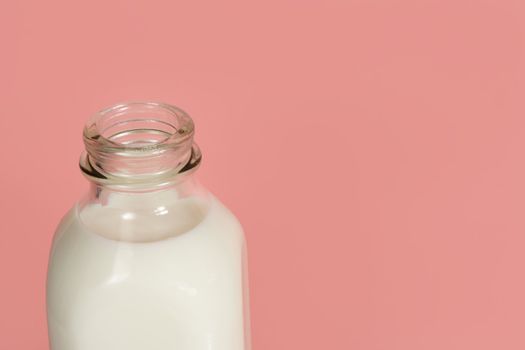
(149,219)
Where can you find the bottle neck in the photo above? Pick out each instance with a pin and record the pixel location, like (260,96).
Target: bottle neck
(138,147)
(126,197)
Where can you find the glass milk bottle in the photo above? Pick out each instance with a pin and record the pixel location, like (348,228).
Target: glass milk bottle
(148,260)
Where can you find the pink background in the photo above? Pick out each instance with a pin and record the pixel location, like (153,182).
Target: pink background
(374,150)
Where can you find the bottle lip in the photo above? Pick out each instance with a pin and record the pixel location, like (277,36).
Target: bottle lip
(95,131)
(139,143)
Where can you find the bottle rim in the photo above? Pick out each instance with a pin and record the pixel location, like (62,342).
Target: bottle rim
(138,142)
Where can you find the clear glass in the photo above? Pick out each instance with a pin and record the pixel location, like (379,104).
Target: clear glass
(148,259)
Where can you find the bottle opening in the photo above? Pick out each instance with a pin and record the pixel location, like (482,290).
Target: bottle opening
(138,141)
(137,124)
(138,133)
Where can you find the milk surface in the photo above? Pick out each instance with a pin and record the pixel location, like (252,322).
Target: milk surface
(122,279)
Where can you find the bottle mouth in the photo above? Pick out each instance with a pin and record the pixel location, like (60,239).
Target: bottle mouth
(138,126)
(137,142)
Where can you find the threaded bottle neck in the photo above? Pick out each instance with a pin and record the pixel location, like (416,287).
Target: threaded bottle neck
(138,143)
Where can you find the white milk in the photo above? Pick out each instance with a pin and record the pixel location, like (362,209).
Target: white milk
(172,281)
